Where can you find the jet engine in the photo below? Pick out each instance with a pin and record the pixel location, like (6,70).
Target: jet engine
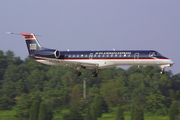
(48,53)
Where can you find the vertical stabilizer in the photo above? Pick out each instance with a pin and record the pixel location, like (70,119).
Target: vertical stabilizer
(32,43)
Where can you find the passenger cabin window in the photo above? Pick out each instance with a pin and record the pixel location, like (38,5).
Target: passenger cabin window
(111,55)
(81,55)
(86,55)
(115,55)
(69,55)
(99,55)
(103,55)
(107,55)
(73,55)
(95,55)
(77,55)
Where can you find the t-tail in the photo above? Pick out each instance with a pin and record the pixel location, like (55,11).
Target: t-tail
(32,43)
(35,49)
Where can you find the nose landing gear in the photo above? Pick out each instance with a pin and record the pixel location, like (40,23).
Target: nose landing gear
(162,71)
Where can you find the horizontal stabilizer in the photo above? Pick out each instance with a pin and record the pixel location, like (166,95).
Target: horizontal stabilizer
(23,34)
(31,41)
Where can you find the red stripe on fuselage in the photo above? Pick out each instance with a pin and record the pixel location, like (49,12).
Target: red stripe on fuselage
(40,59)
(103,59)
(112,59)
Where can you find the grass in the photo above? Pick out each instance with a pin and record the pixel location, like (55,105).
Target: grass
(60,116)
(9,115)
(111,116)
(127,116)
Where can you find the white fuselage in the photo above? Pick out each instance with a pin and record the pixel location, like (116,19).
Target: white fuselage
(106,63)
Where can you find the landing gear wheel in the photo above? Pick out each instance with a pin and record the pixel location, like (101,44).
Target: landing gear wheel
(94,74)
(162,72)
(78,73)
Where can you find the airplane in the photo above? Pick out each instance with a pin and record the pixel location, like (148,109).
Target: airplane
(93,59)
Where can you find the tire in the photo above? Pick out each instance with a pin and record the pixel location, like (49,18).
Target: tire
(94,74)
(162,72)
(78,73)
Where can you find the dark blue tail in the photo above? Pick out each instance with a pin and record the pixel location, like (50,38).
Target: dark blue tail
(32,43)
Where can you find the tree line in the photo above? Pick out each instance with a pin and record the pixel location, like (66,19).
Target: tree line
(27,86)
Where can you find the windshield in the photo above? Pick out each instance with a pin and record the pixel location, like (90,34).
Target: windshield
(154,54)
(158,54)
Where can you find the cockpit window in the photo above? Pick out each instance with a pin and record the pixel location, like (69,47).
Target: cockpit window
(151,54)
(158,54)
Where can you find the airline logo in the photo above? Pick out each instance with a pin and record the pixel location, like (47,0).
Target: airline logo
(32,46)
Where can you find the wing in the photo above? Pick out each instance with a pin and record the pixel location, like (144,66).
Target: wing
(69,63)
(86,65)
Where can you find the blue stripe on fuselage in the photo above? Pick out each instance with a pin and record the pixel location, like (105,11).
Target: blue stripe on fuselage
(128,54)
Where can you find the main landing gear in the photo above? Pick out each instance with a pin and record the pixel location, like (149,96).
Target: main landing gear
(95,74)
(78,72)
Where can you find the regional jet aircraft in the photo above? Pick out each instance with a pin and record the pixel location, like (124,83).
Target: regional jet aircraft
(93,59)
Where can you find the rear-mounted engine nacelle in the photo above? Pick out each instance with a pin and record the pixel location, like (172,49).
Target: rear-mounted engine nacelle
(48,53)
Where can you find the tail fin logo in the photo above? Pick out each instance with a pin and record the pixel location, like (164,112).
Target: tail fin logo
(32,46)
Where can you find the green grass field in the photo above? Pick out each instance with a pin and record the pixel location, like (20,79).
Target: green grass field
(111,116)
(9,115)
(127,116)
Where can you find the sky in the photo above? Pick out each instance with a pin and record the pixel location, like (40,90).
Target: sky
(93,25)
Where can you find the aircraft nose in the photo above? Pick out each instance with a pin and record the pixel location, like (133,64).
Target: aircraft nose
(171,62)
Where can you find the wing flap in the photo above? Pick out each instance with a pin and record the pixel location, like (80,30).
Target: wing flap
(85,65)
(72,64)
